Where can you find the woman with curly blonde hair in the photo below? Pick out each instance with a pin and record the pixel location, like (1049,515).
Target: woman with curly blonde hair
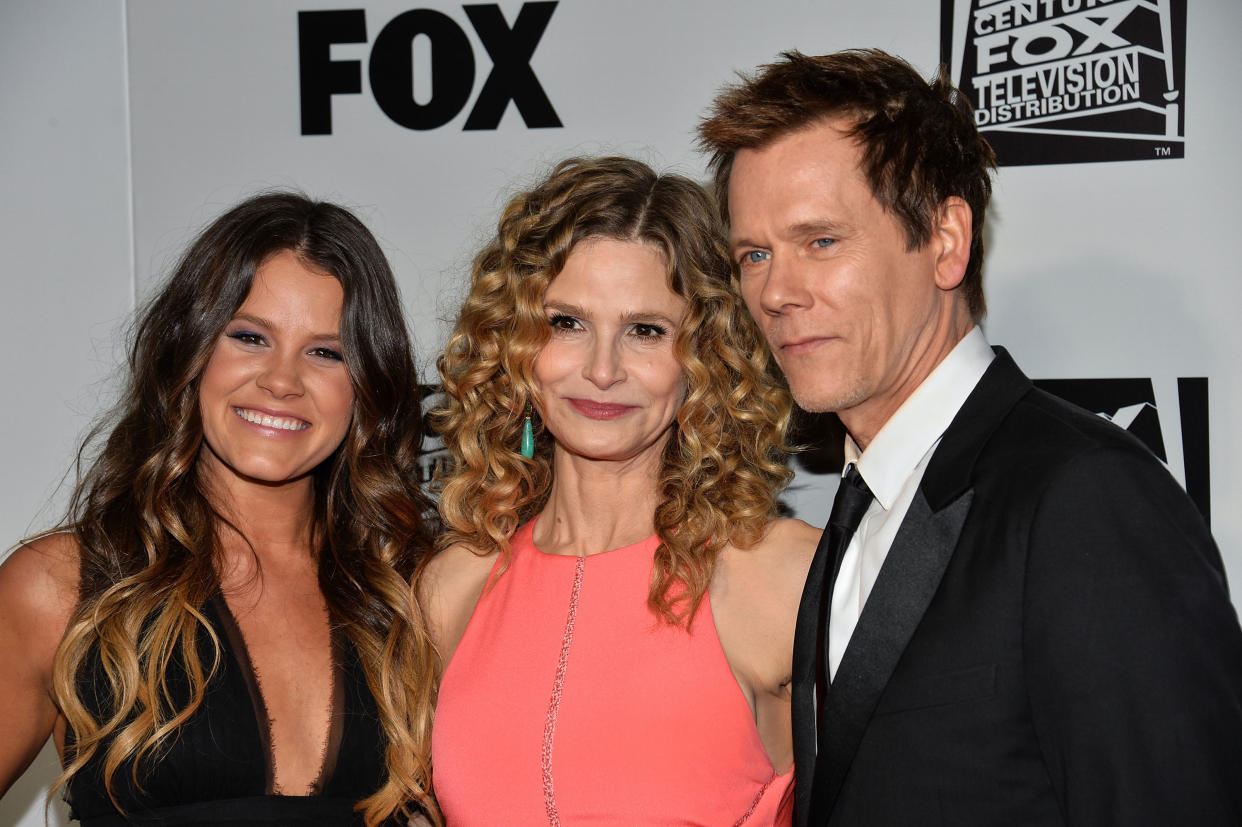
(223,632)
(614,600)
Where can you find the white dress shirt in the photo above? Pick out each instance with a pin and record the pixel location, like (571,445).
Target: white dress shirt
(893,466)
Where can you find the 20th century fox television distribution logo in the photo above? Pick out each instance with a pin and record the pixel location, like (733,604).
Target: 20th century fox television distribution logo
(1070,81)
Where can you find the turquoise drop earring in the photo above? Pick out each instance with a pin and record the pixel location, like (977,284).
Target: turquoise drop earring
(528,436)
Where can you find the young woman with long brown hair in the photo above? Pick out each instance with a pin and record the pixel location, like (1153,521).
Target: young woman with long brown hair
(222,631)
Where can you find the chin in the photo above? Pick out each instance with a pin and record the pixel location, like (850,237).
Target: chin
(598,454)
(603,452)
(271,473)
(268,477)
(814,405)
(823,400)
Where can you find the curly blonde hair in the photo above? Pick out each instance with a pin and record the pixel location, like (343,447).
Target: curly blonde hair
(724,466)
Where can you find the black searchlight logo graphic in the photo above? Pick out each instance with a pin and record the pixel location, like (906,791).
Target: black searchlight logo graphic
(1071,81)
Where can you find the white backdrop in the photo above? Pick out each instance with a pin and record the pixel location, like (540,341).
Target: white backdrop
(125,126)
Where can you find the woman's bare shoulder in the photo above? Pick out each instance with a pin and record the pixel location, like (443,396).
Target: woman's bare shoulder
(449,587)
(773,569)
(791,536)
(787,545)
(755,596)
(39,585)
(38,594)
(455,569)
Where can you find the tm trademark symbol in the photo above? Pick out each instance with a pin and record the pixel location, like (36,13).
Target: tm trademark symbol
(1164,151)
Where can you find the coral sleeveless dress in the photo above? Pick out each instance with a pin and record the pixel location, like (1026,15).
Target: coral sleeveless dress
(568,702)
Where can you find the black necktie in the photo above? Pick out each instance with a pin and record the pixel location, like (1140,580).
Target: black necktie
(852,500)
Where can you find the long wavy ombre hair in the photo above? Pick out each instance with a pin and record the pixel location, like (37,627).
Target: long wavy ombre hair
(146,525)
(724,465)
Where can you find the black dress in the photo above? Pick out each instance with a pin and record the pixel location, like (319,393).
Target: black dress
(217,769)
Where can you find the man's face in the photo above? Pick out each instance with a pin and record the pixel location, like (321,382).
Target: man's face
(852,316)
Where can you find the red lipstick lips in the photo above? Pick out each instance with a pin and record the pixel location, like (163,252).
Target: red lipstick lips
(599,410)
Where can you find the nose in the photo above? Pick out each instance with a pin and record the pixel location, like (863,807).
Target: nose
(281,375)
(784,285)
(604,366)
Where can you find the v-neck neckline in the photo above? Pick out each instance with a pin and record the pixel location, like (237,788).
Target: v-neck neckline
(336,718)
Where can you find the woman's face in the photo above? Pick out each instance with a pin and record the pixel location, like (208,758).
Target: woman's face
(275,397)
(610,381)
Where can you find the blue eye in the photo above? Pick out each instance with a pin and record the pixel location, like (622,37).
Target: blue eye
(755,256)
(246,337)
(824,242)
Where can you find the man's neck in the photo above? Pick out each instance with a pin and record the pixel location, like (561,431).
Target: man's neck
(864,421)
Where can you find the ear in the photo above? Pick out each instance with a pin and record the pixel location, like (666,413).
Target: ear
(951,235)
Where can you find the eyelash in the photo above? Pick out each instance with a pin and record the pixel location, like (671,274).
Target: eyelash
(247,337)
(748,257)
(643,330)
(656,331)
(560,321)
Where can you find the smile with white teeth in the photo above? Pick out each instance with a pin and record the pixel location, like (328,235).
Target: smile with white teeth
(279,422)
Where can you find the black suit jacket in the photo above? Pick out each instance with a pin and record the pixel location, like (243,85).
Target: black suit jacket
(1049,641)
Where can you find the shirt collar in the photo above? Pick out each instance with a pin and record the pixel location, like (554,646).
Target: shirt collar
(914,428)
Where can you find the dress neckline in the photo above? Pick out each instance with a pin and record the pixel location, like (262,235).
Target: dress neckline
(336,719)
(527,533)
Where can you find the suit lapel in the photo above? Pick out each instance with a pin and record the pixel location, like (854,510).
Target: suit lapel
(908,580)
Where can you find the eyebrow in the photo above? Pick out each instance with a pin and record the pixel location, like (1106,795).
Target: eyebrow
(640,316)
(822,226)
(567,309)
(630,316)
(262,322)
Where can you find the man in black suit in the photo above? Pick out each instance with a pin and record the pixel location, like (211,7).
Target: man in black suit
(1024,620)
